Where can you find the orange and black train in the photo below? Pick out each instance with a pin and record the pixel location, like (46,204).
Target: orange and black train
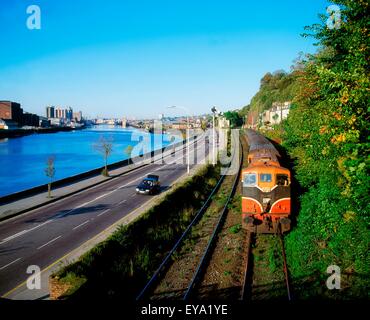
(265,186)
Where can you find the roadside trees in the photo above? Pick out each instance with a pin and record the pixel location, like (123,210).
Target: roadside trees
(104,146)
(128,151)
(50,172)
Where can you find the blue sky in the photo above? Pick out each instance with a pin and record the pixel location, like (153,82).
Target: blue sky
(134,58)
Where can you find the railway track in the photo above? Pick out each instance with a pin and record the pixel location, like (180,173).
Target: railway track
(286,273)
(246,290)
(188,291)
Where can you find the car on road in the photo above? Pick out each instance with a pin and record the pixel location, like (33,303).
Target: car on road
(150,185)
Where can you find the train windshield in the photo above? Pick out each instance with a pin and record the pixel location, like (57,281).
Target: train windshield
(265,177)
(249,180)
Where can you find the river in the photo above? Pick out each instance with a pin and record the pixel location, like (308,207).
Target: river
(23,159)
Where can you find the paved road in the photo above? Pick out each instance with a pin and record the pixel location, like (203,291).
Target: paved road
(46,234)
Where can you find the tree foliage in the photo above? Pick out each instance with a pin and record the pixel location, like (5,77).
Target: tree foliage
(275,87)
(327,132)
(105,147)
(50,172)
(235,119)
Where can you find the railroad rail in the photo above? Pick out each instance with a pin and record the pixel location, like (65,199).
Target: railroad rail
(286,274)
(247,274)
(246,284)
(207,252)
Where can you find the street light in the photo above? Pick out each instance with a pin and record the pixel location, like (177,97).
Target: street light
(214,112)
(187,134)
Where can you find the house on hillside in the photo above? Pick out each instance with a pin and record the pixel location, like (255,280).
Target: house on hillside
(278,112)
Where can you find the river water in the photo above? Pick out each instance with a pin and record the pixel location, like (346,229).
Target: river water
(23,159)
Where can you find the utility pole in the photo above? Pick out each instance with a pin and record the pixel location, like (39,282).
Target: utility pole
(215,112)
(214,141)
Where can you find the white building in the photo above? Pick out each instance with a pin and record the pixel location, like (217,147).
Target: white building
(124,123)
(56,121)
(278,112)
(77,116)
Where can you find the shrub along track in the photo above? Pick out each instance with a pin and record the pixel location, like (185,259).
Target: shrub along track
(181,271)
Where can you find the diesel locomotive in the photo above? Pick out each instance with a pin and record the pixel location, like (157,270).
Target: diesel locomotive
(266,205)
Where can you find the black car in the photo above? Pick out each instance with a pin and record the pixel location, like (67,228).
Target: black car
(150,185)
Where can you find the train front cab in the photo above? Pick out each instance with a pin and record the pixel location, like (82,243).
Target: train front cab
(266,199)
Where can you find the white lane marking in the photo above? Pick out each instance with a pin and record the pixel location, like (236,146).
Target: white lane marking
(105,211)
(80,225)
(24,231)
(126,184)
(79,206)
(143,176)
(40,225)
(7,265)
(104,195)
(13,236)
(123,201)
(133,195)
(48,243)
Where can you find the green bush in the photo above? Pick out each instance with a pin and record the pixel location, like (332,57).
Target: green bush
(327,133)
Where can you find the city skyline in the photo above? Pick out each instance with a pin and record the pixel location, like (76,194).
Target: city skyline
(136,62)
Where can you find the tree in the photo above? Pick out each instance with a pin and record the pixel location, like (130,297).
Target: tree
(104,146)
(278,86)
(128,151)
(235,119)
(327,134)
(50,172)
(203,125)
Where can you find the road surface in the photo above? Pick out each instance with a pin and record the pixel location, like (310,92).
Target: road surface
(48,233)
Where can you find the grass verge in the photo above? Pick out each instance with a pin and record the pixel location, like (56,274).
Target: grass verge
(120,266)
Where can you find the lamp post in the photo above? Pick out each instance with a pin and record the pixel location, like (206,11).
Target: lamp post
(187,134)
(214,112)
